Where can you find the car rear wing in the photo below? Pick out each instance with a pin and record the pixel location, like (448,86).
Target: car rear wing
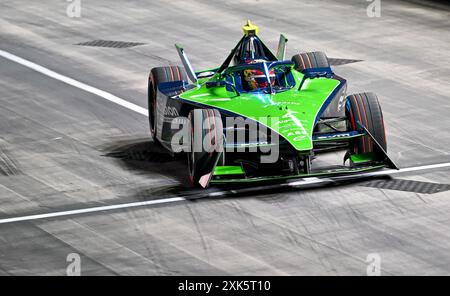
(187,65)
(281,51)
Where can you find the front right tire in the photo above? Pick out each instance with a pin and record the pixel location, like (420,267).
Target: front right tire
(365,108)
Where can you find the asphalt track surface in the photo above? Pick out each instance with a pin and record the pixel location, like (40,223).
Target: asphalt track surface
(78,173)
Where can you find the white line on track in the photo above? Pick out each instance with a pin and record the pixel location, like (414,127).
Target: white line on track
(73,82)
(297,183)
(143,111)
(94,209)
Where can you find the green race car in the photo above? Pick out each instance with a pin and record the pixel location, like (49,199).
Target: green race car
(259,117)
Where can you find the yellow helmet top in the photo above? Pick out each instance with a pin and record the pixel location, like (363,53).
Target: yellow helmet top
(250,28)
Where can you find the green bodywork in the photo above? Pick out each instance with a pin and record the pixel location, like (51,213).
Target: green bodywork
(228,170)
(291,113)
(362,158)
(323,173)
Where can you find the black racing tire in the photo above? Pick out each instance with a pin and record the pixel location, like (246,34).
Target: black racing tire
(206,142)
(365,108)
(158,75)
(310,60)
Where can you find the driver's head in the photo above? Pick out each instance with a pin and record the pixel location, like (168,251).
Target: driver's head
(255,79)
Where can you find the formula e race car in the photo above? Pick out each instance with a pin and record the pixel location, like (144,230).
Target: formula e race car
(260,117)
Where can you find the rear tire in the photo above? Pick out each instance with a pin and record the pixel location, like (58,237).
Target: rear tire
(206,130)
(158,75)
(365,108)
(310,60)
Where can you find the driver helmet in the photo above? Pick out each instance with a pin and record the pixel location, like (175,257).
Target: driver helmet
(256,79)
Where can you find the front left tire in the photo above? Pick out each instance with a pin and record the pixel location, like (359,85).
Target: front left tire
(206,144)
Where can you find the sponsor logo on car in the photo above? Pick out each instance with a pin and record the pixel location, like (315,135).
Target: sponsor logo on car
(331,136)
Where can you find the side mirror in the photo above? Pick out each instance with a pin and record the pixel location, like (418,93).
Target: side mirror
(315,73)
(222,83)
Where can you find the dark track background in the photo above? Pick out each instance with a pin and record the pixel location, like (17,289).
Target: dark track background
(62,148)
